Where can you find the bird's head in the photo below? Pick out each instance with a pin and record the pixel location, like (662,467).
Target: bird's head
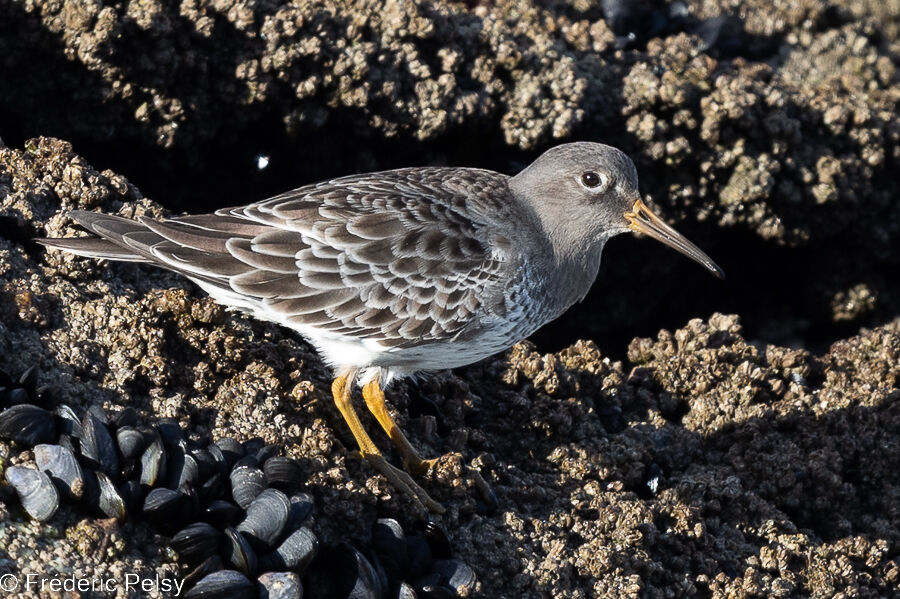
(588,192)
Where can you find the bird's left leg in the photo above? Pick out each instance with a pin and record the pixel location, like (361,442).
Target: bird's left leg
(412,462)
(374,397)
(340,390)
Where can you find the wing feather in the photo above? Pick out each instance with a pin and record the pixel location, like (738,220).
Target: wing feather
(243,250)
(402,257)
(187,235)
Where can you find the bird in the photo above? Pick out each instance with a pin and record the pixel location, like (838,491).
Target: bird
(392,273)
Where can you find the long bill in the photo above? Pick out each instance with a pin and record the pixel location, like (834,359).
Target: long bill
(642,220)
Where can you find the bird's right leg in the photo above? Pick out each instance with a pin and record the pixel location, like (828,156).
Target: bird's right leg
(340,389)
(412,461)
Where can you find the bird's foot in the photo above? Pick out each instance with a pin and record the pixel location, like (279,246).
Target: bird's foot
(416,465)
(452,467)
(404,482)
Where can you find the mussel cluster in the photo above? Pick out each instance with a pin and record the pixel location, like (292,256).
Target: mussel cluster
(400,566)
(235,511)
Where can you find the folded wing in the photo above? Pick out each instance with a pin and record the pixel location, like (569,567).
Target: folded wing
(399,257)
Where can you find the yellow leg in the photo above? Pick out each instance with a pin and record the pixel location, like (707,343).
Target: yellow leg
(374,397)
(340,389)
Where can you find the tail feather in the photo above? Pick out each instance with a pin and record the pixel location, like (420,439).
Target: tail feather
(93,247)
(152,242)
(110,243)
(106,225)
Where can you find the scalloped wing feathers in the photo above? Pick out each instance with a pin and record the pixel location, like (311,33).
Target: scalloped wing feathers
(402,257)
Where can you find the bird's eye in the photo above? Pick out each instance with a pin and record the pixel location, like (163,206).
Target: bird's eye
(591,179)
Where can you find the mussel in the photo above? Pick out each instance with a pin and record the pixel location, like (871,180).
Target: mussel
(27,424)
(153,463)
(97,446)
(355,576)
(283,473)
(457,575)
(37,493)
(246,483)
(131,442)
(230,449)
(62,466)
(294,553)
(239,552)
(224,584)
(266,518)
(198,542)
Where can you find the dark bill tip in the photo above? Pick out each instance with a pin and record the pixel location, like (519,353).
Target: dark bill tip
(641,220)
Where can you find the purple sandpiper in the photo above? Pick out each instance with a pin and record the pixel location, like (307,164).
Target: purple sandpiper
(395,272)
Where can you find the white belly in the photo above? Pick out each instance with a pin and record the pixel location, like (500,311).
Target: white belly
(368,358)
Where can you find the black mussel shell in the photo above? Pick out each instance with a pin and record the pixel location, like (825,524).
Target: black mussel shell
(239,552)
(102,497)
(206,463)
(230,449)
(168,508)
(125,417)
(218,458)
(37,493)
(14,397)
(247,460)
(419,555)
(181,469)
(354,575)
(131,442)
(224,584)
(171,433)
(62,466)
(389,544)
(253,445)
(27,424)
(133,495)
(284,473)
(295,553)
(457,575)
(67,422)
(267,452)
(213,487)
(111,503)
(280,585)
(724,33)
(207,567)
(266,518)
(221,513)
(246,483)
(153,463)
(197,543)
(437,540)
(383,581)
(431,579)
(99,413)
(302,505)
(404,591)
(70,443)
(97,446)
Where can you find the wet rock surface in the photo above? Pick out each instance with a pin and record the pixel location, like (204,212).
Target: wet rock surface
(703,465)
(768,130)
